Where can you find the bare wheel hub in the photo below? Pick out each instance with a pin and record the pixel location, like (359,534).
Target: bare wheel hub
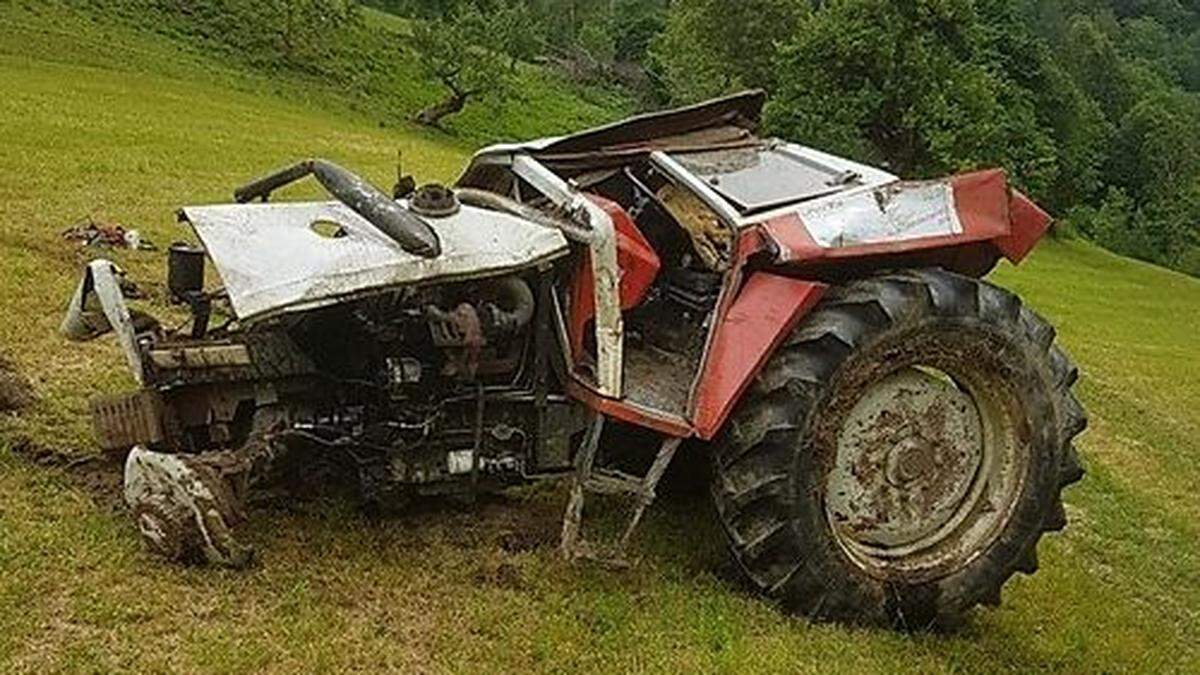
(914,461)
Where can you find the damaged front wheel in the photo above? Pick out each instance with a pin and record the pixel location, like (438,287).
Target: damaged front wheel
(187,506)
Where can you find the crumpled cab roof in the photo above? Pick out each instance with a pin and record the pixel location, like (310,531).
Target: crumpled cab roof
(730,120)
(738,114)
(715,142)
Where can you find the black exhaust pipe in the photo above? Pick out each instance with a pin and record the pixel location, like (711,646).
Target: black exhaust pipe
(407,229)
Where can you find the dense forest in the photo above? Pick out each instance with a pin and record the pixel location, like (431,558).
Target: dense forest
(1093,106)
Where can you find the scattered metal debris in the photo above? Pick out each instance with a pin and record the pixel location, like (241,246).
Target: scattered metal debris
(98,306)
(99,234)
(185,506)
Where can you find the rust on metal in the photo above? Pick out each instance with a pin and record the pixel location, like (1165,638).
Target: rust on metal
(201,356)
(907,457)
(590,479)
(123,420)
(455,340)
(925,455)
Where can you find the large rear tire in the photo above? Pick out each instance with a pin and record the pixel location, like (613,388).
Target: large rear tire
(900,456)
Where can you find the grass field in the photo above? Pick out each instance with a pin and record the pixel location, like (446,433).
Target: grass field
(120,127)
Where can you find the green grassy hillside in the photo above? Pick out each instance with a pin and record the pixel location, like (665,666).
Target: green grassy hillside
(366,70)
(104,122)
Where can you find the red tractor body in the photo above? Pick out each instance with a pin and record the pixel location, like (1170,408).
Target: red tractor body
(821,217)
(817,326)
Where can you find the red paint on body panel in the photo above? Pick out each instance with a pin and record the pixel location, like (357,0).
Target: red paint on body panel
(1029,224)
(629,412)
(991,215)
(638,264)
(981,200)
(766,309)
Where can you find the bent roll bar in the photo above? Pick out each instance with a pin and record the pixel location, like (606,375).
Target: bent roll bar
(407,229)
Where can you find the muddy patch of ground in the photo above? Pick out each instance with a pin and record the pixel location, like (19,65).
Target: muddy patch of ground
(15,391)
(97,475)
(513,523)
(525,525)
(508,523)
(502,575)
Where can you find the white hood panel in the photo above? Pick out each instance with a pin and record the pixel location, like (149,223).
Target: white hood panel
(273,261)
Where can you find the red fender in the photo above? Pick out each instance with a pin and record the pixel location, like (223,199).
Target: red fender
(764,312)
(995,220)
(638,263)
(1028,223)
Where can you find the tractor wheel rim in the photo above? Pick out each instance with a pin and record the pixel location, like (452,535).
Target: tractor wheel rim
(921,466)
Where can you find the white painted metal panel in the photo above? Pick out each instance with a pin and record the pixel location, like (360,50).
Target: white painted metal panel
(895,212)
(606,274)
(272,260)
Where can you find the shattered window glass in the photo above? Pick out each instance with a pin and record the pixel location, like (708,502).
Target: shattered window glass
(765,176)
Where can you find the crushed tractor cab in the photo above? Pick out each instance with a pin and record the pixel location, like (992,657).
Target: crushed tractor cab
(889,433)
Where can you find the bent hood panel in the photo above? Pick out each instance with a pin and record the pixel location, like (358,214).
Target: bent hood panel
(272,260)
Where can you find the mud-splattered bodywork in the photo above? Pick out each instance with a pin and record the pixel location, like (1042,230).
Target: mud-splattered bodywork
(778,221)
(641,272)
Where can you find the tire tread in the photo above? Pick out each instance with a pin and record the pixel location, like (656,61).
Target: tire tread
(752,485)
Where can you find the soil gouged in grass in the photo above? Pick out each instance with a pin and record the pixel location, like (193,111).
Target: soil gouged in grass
(453,588)
(15,392)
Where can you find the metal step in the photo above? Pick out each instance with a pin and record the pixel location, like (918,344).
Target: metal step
(590,479)
(613,482)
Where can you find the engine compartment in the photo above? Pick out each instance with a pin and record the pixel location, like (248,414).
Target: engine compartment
(445,384)
(441,384)
(444,388)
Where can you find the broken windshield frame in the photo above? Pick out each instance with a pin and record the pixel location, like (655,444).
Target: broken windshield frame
(772,174)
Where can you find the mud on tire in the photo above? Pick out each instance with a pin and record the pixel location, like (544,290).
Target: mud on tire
(842,505)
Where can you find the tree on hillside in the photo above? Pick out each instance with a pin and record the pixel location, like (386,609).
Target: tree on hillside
(711,47)
(915,86)
(1187,60)
(1091,54)
(302,28)
(1156,161)
(466,54)
(1089,104)
(427,9)
(603,43)
(636,24)
(1157,147)
(295,34)
(1077,133)
(515,31)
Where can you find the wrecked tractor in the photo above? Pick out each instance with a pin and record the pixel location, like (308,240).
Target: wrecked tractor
(889,434)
